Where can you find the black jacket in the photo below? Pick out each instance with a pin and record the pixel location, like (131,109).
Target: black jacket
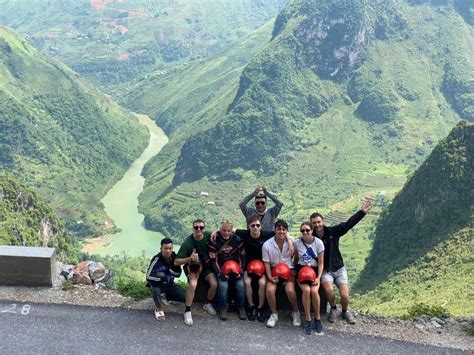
(332,255)
(160,271)
(221,250)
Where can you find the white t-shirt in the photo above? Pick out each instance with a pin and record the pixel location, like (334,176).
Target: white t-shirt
(271,253)
(308,253)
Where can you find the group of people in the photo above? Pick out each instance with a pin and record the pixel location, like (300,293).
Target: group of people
(254,262)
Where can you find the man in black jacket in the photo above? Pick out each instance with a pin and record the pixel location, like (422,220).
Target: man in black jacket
(334,270)
(160,277)
(228,246)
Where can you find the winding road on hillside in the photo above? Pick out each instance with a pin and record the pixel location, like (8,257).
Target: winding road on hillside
(58,329)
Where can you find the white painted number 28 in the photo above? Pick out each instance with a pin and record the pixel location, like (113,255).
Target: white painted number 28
(24,310)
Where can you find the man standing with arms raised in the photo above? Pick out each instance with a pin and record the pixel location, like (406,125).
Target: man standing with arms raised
(334,270)
(193,254)
(267,215)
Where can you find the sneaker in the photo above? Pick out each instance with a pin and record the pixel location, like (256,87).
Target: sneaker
(332,315)
(242,315)
(260,315)
(272,320)
(348,316)
(296,319)
(209,308)
(251,313)
(188,318)
(223,314)
(308,329)
(318,327)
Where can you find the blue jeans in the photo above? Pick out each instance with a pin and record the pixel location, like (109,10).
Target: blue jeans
(223,291)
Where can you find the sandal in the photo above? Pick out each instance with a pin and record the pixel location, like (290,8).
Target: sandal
(159,315)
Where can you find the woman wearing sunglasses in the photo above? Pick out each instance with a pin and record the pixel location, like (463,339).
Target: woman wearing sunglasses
(310,252)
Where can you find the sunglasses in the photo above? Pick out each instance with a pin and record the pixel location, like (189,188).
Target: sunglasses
(198,227)
(254,225)
(258,203)
(305,230)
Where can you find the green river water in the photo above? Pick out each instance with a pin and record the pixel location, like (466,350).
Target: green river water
(121,204)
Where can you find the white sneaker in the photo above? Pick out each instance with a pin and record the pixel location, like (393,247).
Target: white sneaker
(296,319)
(188,318)
(272,320)
(209,308)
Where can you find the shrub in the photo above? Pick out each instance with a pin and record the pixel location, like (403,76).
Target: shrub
(421,309)
(133,288)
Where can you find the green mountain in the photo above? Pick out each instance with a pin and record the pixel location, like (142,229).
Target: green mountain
(26,220)
(423,241)
(346,99)
(112,42)
(60,136)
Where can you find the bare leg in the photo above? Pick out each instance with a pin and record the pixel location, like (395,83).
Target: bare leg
(316,301)
(192,279)
(344,292)
(306,300)
(328,290)
(271,298)
(211,293)
(291,294)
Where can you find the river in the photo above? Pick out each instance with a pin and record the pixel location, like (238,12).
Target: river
(121,205)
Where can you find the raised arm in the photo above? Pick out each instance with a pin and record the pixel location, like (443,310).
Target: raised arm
(245,201)
(278,203)
(344,227)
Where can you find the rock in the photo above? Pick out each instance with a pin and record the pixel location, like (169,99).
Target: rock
(420,327)
(434,324)
(80,274)
(439,321)
(96,270)
(104,278)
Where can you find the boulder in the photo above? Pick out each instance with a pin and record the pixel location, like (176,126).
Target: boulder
(96,271)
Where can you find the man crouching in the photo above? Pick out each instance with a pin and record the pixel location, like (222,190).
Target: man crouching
(160,277)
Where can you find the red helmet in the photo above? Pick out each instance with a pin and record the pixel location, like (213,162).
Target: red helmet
(231,267)
(256,267)
(306,275)
(282,271)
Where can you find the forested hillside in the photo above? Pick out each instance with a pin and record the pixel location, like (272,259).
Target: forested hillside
(26,220)
(346,99)
(60,136)
(423,242)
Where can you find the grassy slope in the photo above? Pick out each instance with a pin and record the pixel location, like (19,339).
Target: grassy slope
(423,242)
(59,135)
(442,277)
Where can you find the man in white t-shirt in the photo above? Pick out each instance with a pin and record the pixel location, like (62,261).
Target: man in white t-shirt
(275,251)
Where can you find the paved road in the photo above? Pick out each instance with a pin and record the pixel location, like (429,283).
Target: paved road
(59,329)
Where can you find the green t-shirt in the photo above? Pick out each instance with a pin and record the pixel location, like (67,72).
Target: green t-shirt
(190,243)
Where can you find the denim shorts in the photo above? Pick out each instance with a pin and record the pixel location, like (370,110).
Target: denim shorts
(338,277)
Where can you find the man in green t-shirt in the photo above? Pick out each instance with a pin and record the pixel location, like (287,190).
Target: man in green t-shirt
(195,258)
